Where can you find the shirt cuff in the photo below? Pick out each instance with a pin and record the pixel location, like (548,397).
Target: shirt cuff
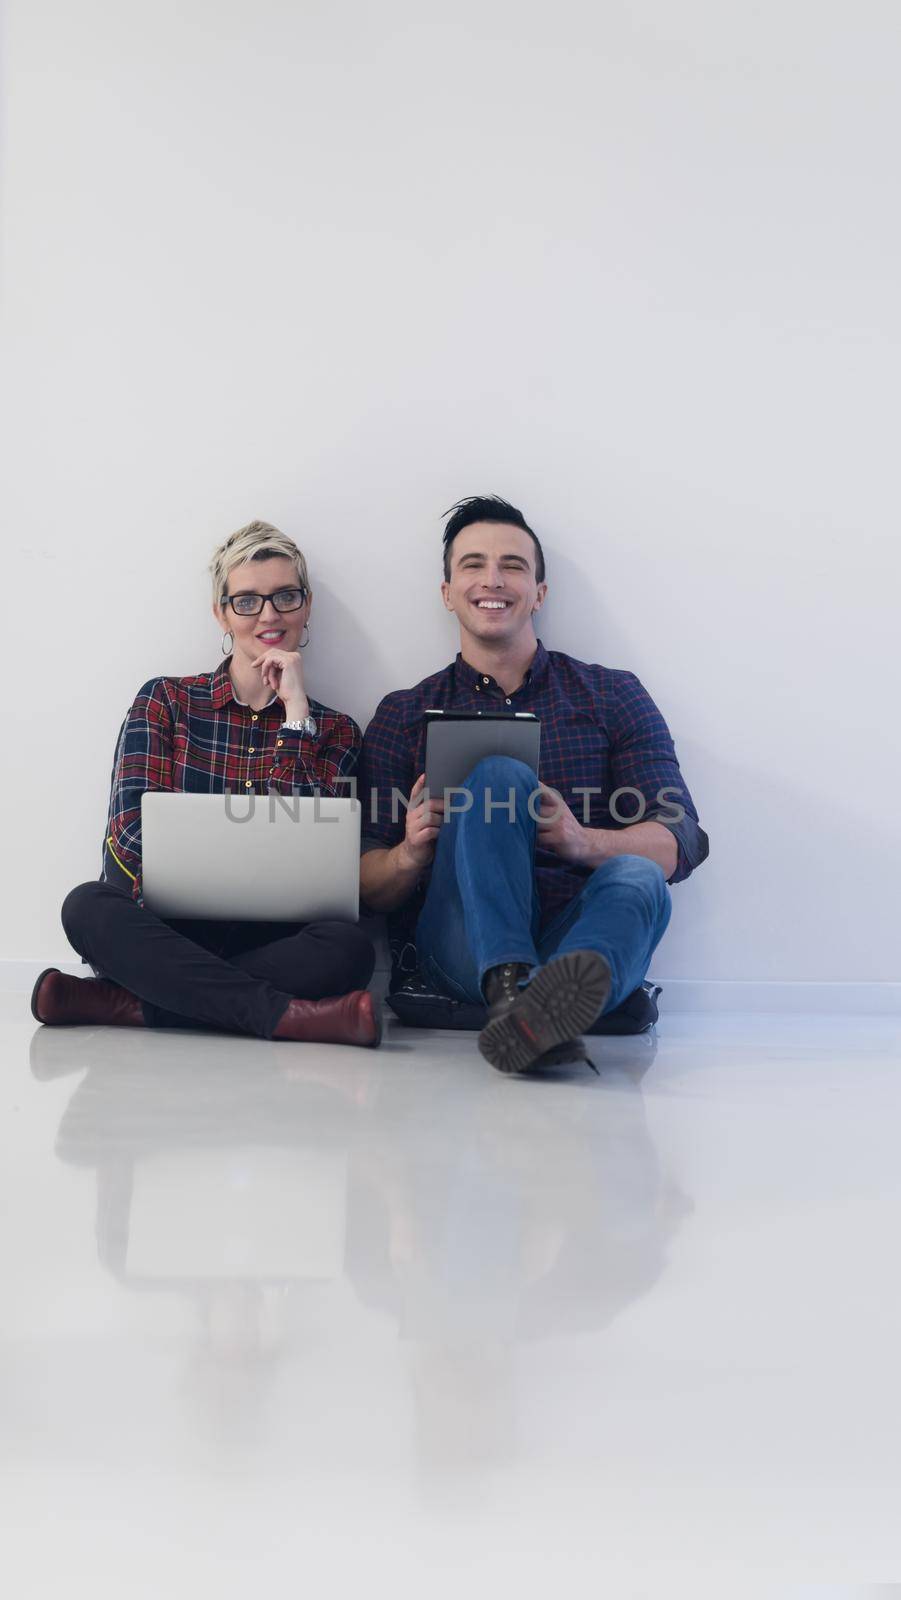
(693,843)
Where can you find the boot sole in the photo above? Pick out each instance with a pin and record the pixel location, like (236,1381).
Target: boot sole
(34,995)
(561,1001)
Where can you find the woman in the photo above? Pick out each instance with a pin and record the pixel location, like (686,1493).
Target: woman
(248,725)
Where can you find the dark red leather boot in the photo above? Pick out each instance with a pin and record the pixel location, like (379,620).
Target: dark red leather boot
(61,1001)
(342,1019)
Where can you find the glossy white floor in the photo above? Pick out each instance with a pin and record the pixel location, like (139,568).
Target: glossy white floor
(276,1315)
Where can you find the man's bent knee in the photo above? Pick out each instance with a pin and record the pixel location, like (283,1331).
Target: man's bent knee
(501,771)
(501,786)
(639,870)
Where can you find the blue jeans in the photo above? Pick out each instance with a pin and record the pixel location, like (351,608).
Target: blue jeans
(482,908)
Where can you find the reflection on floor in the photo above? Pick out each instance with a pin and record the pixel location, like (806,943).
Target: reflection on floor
(279,1312)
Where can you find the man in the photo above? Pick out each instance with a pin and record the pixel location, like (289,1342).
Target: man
(547,896)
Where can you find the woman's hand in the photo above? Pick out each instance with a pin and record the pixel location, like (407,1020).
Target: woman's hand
(282,672)
(421,830)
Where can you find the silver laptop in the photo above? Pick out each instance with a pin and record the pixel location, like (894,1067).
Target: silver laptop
(251,857)
(456,741)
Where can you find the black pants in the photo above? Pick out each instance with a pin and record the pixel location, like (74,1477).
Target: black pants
(237,977)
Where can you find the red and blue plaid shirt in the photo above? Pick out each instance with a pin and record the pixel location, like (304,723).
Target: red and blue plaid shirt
(192,736)
(600,729)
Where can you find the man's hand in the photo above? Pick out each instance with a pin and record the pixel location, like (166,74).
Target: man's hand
(559,830)
(282,672)
(417,847)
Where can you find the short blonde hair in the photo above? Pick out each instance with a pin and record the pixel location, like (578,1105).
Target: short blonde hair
(256,542)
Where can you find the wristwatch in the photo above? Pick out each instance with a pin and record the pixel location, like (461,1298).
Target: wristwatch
(308,725)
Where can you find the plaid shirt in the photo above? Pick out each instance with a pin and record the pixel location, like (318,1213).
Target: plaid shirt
(192,736)
(599,729)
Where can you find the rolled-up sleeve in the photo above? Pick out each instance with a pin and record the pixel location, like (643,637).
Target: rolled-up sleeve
(643,758)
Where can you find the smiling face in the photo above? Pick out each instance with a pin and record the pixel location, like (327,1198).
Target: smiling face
(253,635)
(493,590)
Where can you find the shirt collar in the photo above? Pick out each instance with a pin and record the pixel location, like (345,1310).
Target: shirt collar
(222,690)
(471,679)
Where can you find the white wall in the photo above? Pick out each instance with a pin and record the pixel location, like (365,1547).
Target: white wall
(633,265)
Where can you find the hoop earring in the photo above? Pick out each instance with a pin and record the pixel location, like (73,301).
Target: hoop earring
(228,648)
(306,641)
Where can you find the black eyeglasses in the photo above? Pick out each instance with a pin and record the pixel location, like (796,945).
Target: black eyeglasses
(250,605)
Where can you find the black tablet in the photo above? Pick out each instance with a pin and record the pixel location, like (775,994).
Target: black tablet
(456,741)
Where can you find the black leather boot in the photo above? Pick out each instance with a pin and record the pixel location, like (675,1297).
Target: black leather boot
(501,986)
(561,1001)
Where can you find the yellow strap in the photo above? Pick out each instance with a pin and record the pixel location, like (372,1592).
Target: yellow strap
(109,846)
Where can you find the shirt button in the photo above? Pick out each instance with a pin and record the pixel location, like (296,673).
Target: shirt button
(486,680)
(279,743)
(254,717)
(252,750)
(509,702)
(248,784)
